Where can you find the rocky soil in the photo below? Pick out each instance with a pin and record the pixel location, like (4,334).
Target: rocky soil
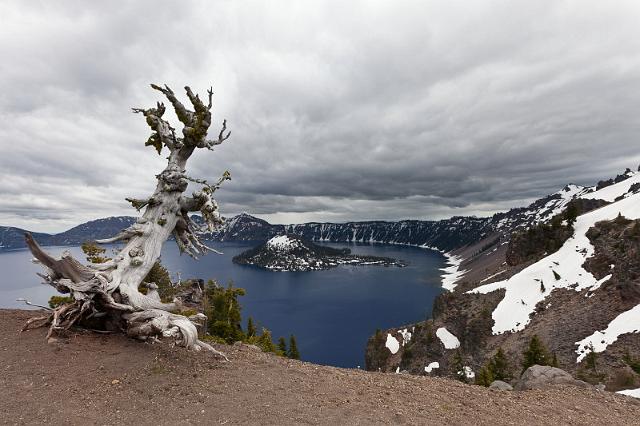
(109,379)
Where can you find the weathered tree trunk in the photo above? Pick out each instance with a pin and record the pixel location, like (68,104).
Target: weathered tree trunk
(108,292)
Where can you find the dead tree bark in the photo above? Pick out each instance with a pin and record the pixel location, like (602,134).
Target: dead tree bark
(108,292)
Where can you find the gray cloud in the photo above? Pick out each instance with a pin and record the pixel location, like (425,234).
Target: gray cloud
(339,111)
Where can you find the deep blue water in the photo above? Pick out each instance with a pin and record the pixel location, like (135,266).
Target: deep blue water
(332,313)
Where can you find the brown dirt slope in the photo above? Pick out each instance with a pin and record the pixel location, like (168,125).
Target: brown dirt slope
(98,379)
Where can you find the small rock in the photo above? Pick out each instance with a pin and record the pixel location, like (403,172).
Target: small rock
(600,387)
(115,381)
(499,385)
(254,348)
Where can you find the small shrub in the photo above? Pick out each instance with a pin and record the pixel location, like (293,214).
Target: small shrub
(56,301)
(94,252)
(484,377)
(632,362)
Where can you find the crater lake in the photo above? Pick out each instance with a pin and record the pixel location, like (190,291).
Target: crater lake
(332,313)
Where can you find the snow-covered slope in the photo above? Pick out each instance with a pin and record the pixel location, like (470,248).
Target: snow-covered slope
(564,269)
(620,189)
(561,269)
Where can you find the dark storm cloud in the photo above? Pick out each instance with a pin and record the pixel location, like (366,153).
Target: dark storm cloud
(339,110)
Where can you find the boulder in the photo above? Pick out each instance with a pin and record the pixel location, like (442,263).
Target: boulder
(499,385)
(542,376)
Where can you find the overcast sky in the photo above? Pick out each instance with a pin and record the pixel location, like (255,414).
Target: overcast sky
(338,110)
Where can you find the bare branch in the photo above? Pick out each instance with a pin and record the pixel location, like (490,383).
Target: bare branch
(27,302)
(125,235)
(139,203)
(210,93)
(221,137)
(184,115)
(66,267)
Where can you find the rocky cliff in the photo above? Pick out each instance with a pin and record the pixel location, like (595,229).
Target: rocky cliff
(572,281)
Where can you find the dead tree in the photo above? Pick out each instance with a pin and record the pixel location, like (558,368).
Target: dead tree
(106,295)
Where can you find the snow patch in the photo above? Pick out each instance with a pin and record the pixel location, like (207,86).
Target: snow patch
(626,322)
(432,366)
(452,273)
(406,336)
(630,392)
(468,372)
(448,340)
(523,289)
(282,242)
(392,344)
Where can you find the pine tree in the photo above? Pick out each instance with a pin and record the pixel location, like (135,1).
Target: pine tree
(536,354)
(251,328)
(571,213)
(225,320)
(293,348)
(282,346)
(590,360)
(458,367)
(500,366)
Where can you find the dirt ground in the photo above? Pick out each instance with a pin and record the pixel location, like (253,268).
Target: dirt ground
(109,379)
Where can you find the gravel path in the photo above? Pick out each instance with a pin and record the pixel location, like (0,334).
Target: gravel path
(109,379)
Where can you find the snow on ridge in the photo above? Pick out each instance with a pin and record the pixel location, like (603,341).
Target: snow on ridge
(611,192)
(626,322)
(448,340)
(524,289)
(452,273)
(556,205)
